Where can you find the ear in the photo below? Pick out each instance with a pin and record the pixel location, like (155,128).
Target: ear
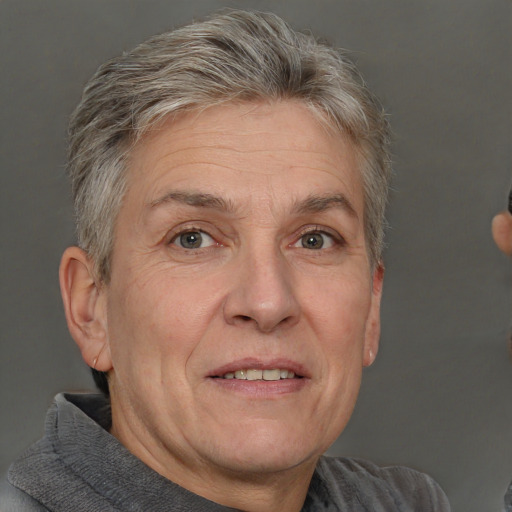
(372,334)
(502,232)
(85,307)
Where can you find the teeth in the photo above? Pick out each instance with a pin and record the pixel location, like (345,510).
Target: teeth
(271,374)
(253,374)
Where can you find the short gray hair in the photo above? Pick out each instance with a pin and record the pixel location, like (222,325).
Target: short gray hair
(231,56)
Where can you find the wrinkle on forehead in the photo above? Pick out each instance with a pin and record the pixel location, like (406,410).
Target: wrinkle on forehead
(240,140)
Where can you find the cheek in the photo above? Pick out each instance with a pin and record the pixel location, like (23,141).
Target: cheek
(155,316)
(338,309)
(339,322)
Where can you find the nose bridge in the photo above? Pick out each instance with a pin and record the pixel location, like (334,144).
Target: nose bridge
(264,291)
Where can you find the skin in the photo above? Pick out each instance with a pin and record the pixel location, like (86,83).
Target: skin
(172,318)
(502,232)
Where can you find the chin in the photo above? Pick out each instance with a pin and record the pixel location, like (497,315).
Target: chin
(265,450)
(264,464)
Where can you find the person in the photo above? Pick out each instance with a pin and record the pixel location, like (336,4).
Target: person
(502,234)
(230,180)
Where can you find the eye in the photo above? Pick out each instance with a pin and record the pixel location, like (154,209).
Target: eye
(315,240)
(193,240)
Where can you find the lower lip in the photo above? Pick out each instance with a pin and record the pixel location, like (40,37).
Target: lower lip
(261,388)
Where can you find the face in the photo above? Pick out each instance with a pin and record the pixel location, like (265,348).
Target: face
(241,306)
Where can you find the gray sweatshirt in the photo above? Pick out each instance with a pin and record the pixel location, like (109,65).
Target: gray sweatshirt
(79,467)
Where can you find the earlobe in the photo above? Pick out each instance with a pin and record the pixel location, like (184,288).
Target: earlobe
(372,334)
(85,307)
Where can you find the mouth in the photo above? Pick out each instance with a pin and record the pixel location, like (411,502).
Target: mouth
(261,380)
(251,373)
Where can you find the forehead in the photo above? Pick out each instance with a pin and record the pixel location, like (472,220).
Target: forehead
(236,149)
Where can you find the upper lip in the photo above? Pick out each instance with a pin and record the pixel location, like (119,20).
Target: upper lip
(252,363)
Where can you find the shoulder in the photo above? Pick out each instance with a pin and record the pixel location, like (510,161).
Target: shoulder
(13,499)
(372,487)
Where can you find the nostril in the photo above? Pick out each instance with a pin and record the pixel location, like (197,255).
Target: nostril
(241,319)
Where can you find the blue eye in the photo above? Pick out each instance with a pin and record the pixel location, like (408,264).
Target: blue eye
(315,240)
(193,240)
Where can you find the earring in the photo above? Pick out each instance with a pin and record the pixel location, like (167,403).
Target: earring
(97,357)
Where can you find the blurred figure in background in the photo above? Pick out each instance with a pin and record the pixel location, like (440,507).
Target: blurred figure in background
(502,234)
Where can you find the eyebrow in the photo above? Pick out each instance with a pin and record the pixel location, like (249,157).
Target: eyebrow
(318,204)
(311,204)
(197,199)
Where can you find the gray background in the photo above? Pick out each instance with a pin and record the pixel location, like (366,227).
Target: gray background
(439,395)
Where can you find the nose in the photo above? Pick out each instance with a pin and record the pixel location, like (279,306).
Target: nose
(263,293)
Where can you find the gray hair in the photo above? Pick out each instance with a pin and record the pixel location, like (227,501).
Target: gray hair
(232,56)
